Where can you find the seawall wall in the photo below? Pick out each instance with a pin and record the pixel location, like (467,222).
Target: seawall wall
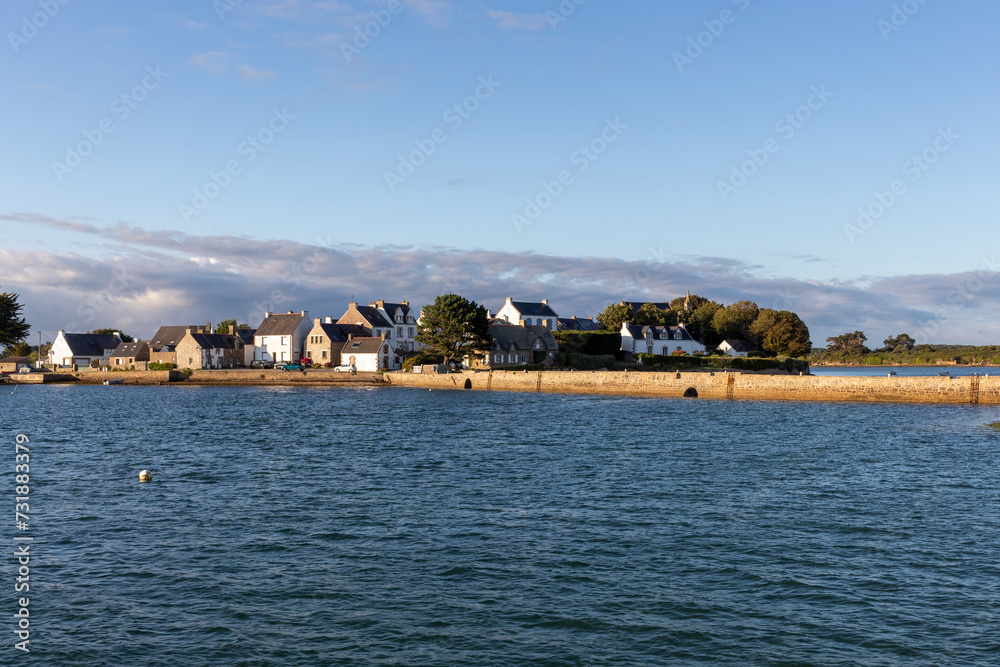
(720,385)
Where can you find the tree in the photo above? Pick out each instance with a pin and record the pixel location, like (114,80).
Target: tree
(699,324)
(902,341)
(225,326)
(612,317)
(649,315)
(853,342)
(454,327)
(734,322)
(108,332)
(19,349)
(13,327)
(781,332)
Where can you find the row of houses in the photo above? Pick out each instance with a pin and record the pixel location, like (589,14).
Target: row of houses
(375,337)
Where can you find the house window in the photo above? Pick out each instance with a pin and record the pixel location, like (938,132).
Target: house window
(388,333)
(410,333)
(324,354)
(284,340)
(524,358)
(399,332)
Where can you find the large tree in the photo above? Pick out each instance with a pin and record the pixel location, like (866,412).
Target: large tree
(649,315)
(20,349)
(849,342)
(734,322)
(455,328)
(107,332)
(902,341)
(612,317)
(13,327)
(781,332)
(699,323)
(226,326)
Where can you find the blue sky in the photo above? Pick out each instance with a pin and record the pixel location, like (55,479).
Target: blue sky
(726,147)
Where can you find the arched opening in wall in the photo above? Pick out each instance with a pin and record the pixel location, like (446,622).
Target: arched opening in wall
(691,392)
(468,383)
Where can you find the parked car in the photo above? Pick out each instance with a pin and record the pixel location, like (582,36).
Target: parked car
(26,369)
(346,368)
(260,363)
(293,366)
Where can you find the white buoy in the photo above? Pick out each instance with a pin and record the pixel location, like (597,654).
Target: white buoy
(144,476)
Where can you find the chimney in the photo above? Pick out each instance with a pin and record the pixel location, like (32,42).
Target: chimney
(509,299)
(350,337)
(406,304)
(305,315)
(267,314)
(328,319)
(208,327)
(545,302)
(316,322)
(380,303)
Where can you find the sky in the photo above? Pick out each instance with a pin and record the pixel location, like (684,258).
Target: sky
(184,162)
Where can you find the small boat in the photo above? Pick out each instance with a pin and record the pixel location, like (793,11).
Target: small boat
(118,381)
(944,375)
(892,372)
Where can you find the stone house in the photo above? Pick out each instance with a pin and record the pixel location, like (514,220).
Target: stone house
(13,364)
(130,355)
(326,340)
(163,344)
(513,345)
(200,351)
(395,322)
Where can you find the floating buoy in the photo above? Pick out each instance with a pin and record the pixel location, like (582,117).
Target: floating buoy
(144,476)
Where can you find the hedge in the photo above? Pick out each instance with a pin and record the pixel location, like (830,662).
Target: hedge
(590,362)
(589,342)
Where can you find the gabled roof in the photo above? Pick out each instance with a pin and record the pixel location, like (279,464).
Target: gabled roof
(335,332)
(578,324)
(391,309)
(533,309)
(130,349)
(215,341)
(15,360)
(659,333)
(90,345)
(279,325)
(363,346)
(246,335)
(522,338)
(369,316)
(738,345)
(168,337)
(356,330)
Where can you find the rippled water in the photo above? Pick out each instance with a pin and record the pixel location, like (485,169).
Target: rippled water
(296,526)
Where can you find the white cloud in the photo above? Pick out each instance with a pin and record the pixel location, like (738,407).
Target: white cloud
(213,62)
(510,21)
(248,73)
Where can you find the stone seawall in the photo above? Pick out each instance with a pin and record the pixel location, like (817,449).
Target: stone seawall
(719,385)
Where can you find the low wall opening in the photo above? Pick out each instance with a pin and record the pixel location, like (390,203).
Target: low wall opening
(691,392)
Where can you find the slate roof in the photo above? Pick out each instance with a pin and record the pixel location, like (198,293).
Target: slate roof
(132,349)
(659,333)
(578,324)
(370,316)
(363,346)
(738,345)
(356,330)
(533,309)
(216,341)
(279,324)
(168,337)
(391,309)
(91,345)
(522,338)
(246,335)
(15,360)
(336,333)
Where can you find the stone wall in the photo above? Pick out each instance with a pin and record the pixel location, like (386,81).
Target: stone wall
(719,385)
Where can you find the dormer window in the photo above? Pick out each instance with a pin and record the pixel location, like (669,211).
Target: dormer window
(677,336)
(399,318)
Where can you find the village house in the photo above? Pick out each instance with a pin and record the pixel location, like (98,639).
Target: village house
(82,349)
(369,354)
(163,344)
(515,345)
(281,337)
(130,355)
(246,335)
(326,340)
(529,313)
(735,348)
(658,340)
(380,319)
(207,351)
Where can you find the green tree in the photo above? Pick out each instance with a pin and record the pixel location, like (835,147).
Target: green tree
(901,341)
(699,324)
(650,315)
(612,317)
(19,349)
(853,342)
(734,322)
(677,305)
(225,326)
(454,327)
(780,332)
(13,327)
(107,332)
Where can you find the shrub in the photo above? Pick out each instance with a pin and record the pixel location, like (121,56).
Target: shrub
(589,342)
(421,360)
(160,366)
(591,362)
(187,372)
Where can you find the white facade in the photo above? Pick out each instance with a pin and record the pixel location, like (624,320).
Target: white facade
(529,314)
(282,341)
(728,348)
(404,326)
(370,354)
(62,354)
(658,340)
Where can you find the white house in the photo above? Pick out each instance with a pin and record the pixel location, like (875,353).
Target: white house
(82,349)
(368,354)
(395,321)
(404,320)
(658,340)
(281,338)
(735,348)
(529,313)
